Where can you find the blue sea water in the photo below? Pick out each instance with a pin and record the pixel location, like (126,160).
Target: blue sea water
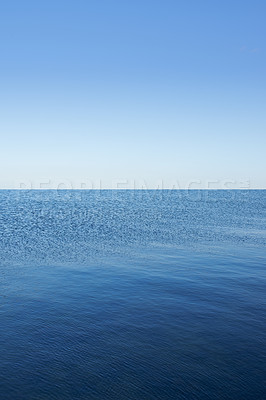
(132,295)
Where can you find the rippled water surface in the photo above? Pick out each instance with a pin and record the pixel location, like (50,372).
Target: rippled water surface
(132,295)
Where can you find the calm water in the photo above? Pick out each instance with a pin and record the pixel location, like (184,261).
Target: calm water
(132,295)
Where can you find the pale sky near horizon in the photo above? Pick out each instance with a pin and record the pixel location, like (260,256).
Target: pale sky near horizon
(126,92)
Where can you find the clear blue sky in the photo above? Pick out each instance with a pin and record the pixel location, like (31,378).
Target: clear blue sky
(133,90)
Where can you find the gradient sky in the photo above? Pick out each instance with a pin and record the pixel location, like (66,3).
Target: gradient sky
(123,91)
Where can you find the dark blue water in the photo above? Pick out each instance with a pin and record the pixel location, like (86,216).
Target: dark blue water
(132,295)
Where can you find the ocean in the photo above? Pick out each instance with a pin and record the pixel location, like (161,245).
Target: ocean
(132,294)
